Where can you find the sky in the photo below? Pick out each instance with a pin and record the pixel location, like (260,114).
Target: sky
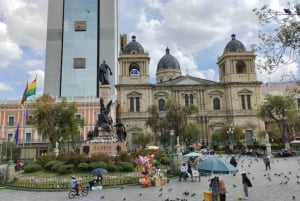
(195,31)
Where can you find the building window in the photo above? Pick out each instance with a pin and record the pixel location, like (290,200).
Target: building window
(78,118)
(80,26)
(216,104)
(44,137)
(28,137)
(131,109)
(161,104)
(137,104)
(191,99)
(249,102)
(246,102)
(240,67)
(10,137)
(11,120)
(186,100)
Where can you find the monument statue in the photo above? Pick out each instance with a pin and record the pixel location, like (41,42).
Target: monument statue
(103,75)
(104,120)
(267,139)
(121,132)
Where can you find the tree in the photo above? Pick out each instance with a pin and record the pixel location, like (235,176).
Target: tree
(141,139)
(221,136)
(176,117)
(281,110)
(153,121)
(191,133)
(279,36)
(55,120)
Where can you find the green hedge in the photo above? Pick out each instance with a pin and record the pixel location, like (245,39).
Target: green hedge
(32,167)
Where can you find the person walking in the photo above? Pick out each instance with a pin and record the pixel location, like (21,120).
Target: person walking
(233,162)
(189,169)
(246,183)
(267,162)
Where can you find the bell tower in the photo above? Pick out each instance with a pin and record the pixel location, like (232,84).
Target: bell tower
(133,63)
(236,64)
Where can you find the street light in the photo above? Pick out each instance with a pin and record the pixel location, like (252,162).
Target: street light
(159,142)
(172,143)
(230,132)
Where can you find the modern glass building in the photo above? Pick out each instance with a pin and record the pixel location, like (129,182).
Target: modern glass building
(81,34)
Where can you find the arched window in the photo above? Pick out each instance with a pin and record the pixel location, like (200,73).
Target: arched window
(186,100)
(191,99)
(216,104)
(241,67)
(134,70)
(161,104)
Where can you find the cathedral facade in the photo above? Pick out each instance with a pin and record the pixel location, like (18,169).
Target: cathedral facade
(233,100)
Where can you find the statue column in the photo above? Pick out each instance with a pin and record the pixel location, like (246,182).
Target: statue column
(268,145)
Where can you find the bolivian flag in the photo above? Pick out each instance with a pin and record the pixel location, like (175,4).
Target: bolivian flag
(31,89)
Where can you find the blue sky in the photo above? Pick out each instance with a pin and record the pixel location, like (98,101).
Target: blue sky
(195,31)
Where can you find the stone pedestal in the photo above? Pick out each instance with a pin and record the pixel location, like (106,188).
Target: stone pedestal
(268,149)
(10,173)
(104,93)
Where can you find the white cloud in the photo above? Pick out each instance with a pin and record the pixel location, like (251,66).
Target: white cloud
(9,50)
(34,62)
(5,87)
(26,22)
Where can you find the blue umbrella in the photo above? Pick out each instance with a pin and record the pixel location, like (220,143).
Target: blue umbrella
(192,154)
(215,165)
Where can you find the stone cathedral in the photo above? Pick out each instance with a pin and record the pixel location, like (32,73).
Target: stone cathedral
(233,100)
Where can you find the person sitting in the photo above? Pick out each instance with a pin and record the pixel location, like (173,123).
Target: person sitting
(183,171)
(74,185)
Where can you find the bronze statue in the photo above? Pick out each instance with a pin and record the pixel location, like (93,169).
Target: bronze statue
(103,73)
(121,132)
(104,120)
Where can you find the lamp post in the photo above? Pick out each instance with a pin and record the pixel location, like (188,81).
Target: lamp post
(172,143)
(159,142)
(230,133)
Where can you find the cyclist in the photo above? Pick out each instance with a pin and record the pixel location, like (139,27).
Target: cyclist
(74,185)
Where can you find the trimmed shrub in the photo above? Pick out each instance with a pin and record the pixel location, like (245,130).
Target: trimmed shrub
(72,158)
(126,167)
(32,167)
(102,164)
(83,167)
(48,166)
(63,169)
(165,160)
(45,158)
(93,165)
(56,165)
(112,167)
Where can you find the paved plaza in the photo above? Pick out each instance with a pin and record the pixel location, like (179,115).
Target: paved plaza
(281,183)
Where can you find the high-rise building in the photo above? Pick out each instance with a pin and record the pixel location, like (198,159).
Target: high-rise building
(81,34)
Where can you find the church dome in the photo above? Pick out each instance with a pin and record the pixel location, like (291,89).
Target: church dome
(234,45)
(133,47)
(168,62)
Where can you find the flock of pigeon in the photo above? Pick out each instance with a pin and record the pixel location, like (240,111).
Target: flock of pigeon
(268,179)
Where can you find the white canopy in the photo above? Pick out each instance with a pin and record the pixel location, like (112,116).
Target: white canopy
(295,142)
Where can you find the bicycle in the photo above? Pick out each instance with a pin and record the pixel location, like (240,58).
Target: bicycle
(83,190)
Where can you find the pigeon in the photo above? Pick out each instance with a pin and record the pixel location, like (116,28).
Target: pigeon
(186,193)
(160,189)
(102,197)
(193,194)
(122,187)
(234,185)
(140,194)
(293,197)
(124,198)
